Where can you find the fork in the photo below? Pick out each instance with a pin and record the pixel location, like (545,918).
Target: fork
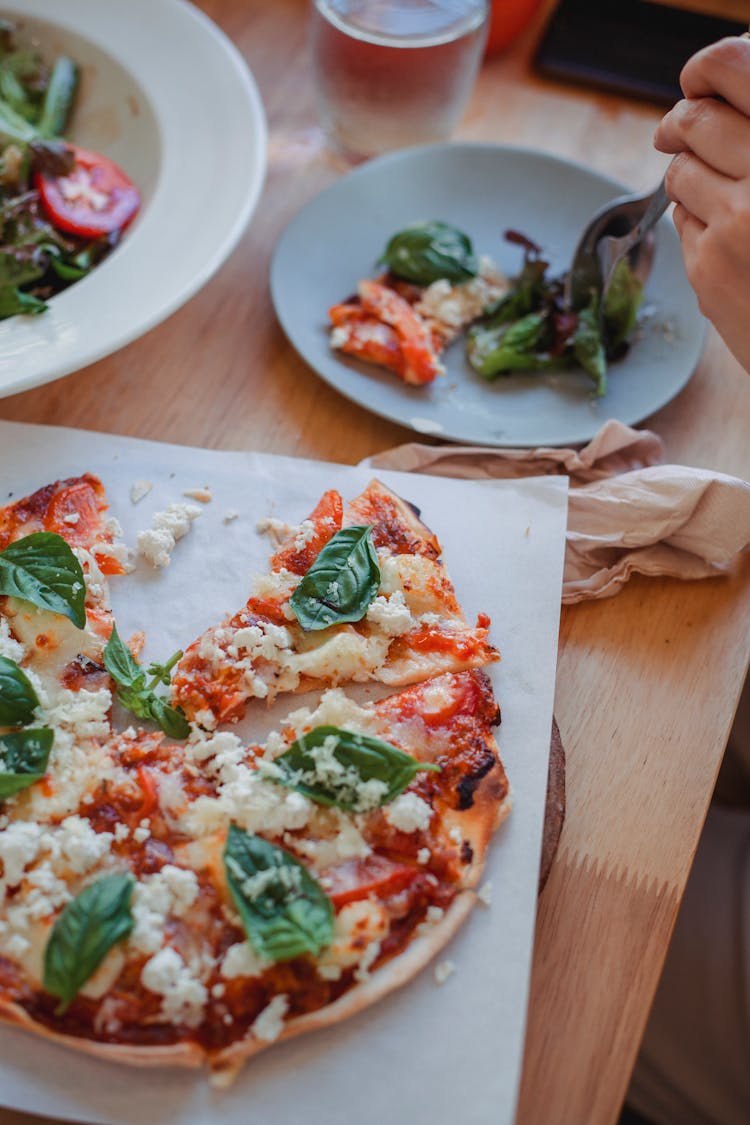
(622,226)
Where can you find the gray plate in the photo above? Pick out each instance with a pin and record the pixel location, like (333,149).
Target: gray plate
(484,190)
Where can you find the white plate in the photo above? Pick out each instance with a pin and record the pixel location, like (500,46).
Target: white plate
(170,99)
(484,190)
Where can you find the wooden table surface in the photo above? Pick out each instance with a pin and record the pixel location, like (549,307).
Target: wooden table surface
(647,681)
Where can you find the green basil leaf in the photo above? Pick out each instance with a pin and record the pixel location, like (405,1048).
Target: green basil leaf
(338,767)
(284,910)
(42,569)
(427,252)
(341,583)
(23,759)
(18,700)
(120,662)
(88,927)
(170,719)
(137,696)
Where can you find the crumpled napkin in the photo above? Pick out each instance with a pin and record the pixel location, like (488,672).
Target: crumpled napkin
(627,512)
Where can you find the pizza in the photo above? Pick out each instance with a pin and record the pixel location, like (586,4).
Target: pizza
(433,288)
(171,893)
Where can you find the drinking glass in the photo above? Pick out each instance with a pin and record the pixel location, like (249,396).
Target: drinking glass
(392,73)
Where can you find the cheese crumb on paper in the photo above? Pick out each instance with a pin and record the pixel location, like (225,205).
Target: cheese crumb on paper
(157,542)
(139,489)
(443,970)
(484,894)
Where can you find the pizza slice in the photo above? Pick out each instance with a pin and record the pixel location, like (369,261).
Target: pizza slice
(57,551)
(354,593)
(245,894)
(72,510)
(405,327)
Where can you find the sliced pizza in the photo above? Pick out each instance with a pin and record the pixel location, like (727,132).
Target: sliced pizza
(405,327)
(355,593)
(72,511)
(180,902)
(244,894)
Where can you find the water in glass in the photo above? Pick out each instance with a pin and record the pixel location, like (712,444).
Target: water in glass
(391,73)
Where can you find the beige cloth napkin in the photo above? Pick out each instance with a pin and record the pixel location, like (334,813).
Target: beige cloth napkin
(627,512)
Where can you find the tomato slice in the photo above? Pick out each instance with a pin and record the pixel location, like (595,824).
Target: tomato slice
(356,879)
(95,198)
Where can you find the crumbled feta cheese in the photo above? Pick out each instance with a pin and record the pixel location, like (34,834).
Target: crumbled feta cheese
(409,813)
(10,648)
(443,970)
(184,993)
(424,855)
(157,543)
(230,515)
(270,1023)
(391,614)
(173,890)
(241,960)
(72,518)
(139,489)
(484,894)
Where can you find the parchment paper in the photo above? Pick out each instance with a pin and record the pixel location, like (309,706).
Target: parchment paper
(441,1054)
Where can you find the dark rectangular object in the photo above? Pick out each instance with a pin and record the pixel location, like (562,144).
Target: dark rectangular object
(627,46)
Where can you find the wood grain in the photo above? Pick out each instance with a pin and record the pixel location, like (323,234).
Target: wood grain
(647,681)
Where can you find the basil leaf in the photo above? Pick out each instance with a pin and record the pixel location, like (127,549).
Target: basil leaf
(138,696)
(284,911)
(42,569)
(23,759)
(427,252)
(170,719)
(341,583)
(18,700)
(120,662)
(88,927)
(331,766)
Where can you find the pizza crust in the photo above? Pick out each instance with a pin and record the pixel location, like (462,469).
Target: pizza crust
(169,1054)
(395,973)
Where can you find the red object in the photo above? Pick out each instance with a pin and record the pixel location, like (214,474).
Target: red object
(357,879)
(508,18)
(95,198)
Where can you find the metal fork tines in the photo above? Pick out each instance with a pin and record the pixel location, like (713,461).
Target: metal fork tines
(618,228)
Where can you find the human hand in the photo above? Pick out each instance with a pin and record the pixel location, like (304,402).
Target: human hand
(709,181)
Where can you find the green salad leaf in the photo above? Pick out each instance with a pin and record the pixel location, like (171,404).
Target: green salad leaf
(341,583)
(23,759)
(356,772)
(427,252)
(621,305)
(588,345)
(42,569)
(511,346)
(284,910)
(84,933)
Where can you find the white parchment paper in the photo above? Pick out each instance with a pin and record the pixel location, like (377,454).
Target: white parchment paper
(427,1053)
